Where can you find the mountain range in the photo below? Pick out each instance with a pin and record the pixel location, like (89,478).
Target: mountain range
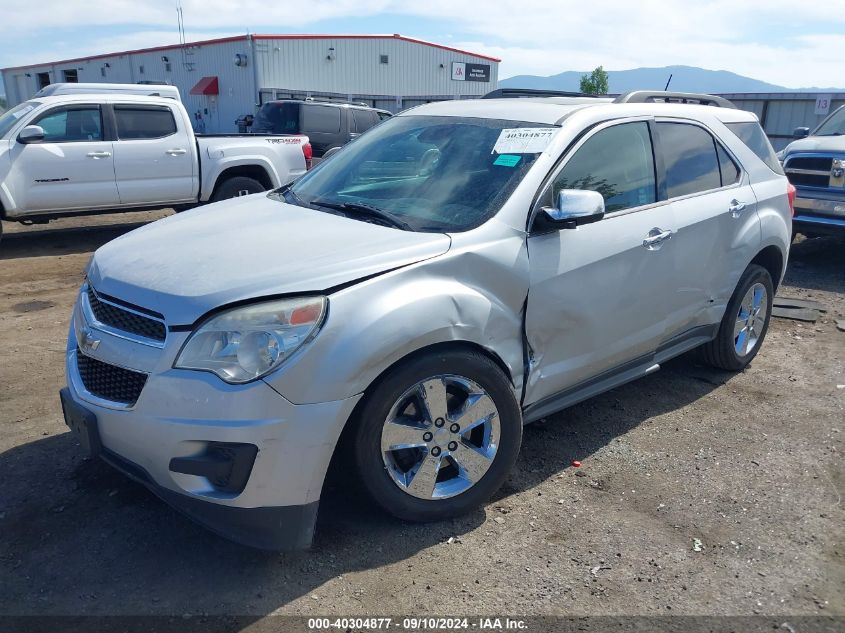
(684,79)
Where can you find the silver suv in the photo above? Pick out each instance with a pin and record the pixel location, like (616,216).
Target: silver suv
(458,271)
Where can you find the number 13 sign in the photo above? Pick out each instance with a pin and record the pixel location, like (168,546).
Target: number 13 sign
(822,104)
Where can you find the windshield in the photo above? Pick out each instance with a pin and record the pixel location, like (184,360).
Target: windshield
(430,173)
(834,126)
(8,119)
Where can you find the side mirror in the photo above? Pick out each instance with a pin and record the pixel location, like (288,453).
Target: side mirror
(31,134)
(801,132)
(573,207)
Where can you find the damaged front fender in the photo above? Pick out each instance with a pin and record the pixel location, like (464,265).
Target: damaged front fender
(475,293)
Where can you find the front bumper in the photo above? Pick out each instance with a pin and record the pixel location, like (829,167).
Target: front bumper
(273,528)
(180,413)
(817,224)
(821,214)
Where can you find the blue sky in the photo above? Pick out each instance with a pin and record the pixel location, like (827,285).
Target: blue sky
(764,39)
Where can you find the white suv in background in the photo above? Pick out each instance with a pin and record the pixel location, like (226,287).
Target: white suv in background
(459,270)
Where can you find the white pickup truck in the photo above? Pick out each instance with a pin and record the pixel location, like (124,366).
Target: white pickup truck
(91,153)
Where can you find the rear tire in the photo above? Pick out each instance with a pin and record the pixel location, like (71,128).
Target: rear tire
(421,461)
(236,186)
(745,322)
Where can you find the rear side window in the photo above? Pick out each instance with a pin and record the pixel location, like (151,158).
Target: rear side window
(753,136)
(730,170)
(689,154)
(618,162)
(277,118)
(320,119)
(143,123)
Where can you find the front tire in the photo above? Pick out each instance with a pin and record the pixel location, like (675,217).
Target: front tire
(745,322)
(235,187)
(438,436)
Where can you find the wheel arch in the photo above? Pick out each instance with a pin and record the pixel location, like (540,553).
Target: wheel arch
(772,259)
(256,172)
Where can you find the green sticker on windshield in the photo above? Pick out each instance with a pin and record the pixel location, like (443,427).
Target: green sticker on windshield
(507,160)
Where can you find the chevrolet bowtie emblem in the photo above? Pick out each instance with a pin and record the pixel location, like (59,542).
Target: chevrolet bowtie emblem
(89,343)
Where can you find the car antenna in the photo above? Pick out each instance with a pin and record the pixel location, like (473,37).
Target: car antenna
(668,81)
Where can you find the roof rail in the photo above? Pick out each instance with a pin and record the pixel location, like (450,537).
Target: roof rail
(515,93)
(338,101)
(658,96)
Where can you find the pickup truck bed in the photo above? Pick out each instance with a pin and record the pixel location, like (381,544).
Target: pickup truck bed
(96,153)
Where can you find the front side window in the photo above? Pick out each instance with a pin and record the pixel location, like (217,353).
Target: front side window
(689,155)
(433,173)
(618,162)
(363,119)
(68,125)
(135,123)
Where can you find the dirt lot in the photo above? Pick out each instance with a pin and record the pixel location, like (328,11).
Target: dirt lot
(751,465)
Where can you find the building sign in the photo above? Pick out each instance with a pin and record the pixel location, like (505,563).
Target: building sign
(823,104)
(464,71)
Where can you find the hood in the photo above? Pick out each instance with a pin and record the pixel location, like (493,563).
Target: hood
(817,144)
(249,247)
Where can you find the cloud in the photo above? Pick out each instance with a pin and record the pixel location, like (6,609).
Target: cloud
(765,39)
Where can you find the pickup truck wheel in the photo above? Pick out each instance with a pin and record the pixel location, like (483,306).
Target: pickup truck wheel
(236,186)
(745,323)
(438,436)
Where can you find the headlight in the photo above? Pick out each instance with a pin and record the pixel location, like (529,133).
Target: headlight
(246,343)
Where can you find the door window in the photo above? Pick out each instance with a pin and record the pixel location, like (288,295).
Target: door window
(68,125)
(689,154)
(320,119)
(363,119)
(147,122)
(618,162)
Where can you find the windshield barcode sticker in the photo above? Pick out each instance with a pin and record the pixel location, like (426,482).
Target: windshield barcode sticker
(22,111)
(524,140)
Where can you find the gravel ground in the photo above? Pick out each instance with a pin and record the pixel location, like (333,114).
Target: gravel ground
(746,468)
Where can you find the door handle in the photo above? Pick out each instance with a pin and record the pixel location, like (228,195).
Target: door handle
(656,237)
(176,152)
(96,155)
(736,207)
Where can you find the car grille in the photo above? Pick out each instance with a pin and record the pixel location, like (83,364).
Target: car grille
(117,317)
(109,381)
(819,163)
(809,171)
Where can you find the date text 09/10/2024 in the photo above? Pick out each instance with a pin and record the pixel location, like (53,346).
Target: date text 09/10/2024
(417,624)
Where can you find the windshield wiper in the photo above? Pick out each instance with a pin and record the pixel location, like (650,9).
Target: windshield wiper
(361,208)
(284,192)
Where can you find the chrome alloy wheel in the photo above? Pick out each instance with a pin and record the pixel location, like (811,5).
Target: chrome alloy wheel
(751,319)
(440,437)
